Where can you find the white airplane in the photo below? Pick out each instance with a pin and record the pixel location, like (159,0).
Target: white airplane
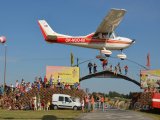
(104,39)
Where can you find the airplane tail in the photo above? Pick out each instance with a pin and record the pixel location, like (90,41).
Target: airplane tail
(47,31)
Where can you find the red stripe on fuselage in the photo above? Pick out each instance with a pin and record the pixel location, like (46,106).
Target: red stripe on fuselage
(86,40)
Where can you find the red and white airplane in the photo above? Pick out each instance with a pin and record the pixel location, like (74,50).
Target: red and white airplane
(104,39)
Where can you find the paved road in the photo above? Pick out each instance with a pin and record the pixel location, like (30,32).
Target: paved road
(113,115)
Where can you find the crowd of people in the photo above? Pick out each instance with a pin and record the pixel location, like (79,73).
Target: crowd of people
(12,93)
(117,69)
(23,87)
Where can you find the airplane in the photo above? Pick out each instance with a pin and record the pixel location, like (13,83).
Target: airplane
(104,39)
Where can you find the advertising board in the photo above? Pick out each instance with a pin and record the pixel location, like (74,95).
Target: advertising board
(150,78)
(68,75)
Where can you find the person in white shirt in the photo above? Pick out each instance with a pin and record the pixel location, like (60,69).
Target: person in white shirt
(17,84)
(59,80)
(12,87)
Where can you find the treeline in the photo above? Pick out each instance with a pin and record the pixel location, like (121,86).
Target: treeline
(112,94)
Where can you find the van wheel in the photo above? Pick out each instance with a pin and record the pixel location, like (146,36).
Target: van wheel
(55,107)
(75,108)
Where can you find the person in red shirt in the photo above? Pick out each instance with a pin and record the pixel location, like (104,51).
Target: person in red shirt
(87,103)
(45,81)
(92,103)
(126,69)
(104,64)
(43,105)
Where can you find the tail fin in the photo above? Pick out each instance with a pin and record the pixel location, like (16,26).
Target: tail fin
(47,31)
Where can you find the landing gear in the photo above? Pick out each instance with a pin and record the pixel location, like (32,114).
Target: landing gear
(107,55)
(104,54)
(122,56)
(101,57)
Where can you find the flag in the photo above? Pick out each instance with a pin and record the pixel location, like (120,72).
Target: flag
(148,60)
(72,59)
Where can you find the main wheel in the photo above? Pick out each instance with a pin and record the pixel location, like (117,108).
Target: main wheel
(55,107)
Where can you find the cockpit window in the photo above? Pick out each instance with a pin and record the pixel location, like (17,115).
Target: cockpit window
(105,35)
(111,35)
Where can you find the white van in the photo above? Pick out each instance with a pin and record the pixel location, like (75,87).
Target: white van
(64,101)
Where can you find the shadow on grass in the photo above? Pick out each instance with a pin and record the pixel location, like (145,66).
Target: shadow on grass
(49,117)
(52,117)
(45,117)
(8,118)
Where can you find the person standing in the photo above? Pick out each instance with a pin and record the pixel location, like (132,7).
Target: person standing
(17,84)
(92,103)
(94,68)
(90,67)
(115,70)
(45,81)
(12,87)
(40,79)
(87,103)
(38,86)
(59,81)
(104,64)
(48,105)
(35,103)
(99,102)
(126,69)
(82,102)
(102,102)
(110,68)
(1,90)
(42,105)
(51,80)
(119,68)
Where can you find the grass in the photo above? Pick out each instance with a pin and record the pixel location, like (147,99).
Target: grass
(39,115)
(155,115)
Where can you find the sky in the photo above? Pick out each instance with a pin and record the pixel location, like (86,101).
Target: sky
(28,54)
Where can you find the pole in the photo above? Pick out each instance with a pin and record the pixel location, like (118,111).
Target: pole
(5,63)
(77,62)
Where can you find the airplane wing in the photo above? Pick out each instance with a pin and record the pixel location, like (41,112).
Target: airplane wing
(111,21)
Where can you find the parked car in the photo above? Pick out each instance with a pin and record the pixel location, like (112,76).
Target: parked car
(65,101)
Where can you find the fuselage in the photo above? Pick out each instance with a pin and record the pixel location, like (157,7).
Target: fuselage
(117,43)
(98,41)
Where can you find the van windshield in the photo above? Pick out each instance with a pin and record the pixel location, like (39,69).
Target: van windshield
(73,99)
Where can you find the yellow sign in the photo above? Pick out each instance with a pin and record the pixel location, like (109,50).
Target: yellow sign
(150,78)
(68,75)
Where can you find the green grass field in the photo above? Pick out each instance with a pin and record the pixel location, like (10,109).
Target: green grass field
(153,116)
(39,115)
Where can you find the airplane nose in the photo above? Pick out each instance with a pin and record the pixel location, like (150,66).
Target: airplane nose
(133,40)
